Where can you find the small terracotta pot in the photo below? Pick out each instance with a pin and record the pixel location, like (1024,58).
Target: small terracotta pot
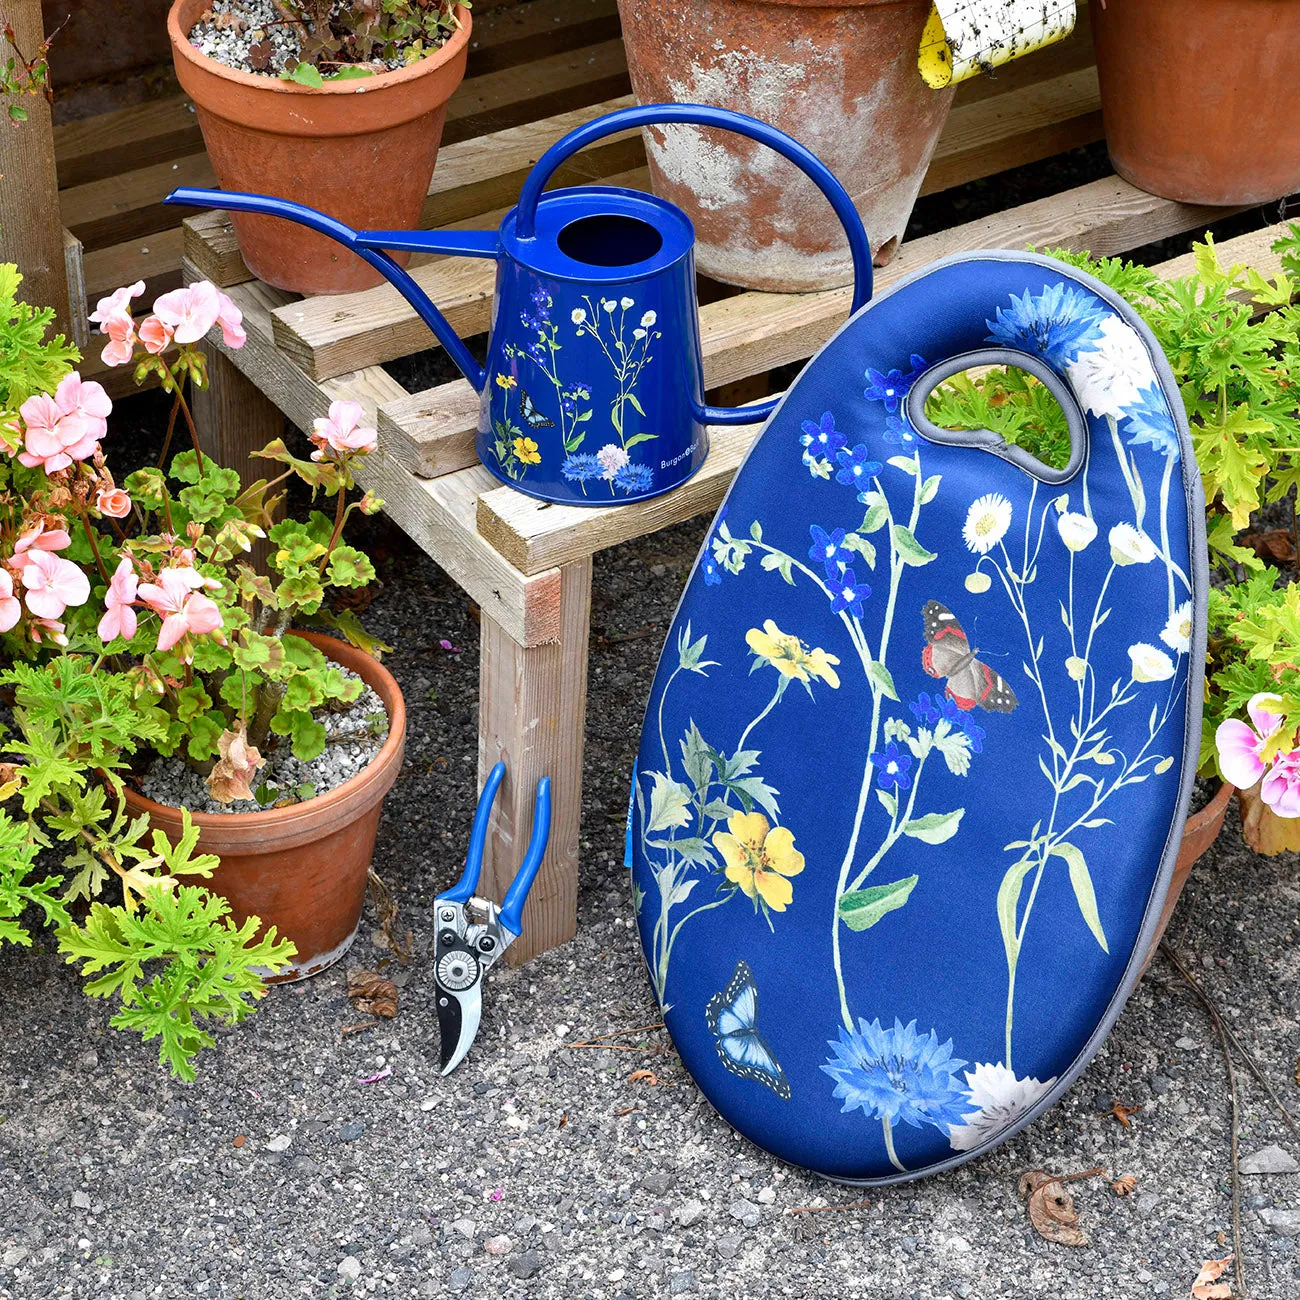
(838,75)
(1201,830)
(303,869)
(1262,829)
(1197,96)
(361,150)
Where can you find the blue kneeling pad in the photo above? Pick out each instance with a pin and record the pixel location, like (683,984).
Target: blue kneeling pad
(920,744)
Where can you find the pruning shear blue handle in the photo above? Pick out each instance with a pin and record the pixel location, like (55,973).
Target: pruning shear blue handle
(473,932)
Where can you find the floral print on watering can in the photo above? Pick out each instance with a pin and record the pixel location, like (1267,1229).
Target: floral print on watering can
(920,744)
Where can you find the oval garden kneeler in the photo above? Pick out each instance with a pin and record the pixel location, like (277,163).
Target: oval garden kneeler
(920,745)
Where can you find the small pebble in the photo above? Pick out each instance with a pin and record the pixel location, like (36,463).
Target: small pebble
(497,1245)
(350,1266)
(281,1142)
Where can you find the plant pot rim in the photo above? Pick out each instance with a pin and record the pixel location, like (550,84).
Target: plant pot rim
(1215,808)
(284,818)
(204,65)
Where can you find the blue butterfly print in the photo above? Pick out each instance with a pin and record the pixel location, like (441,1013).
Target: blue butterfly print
(532,416)
(732,1016)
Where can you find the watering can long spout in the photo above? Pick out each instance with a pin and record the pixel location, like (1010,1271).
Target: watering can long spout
(369,245)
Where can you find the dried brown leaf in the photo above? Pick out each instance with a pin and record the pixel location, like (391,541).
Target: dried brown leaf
(644,1076)
(1207,1285)
(259,55)
(228,20)
(1123,1112)
(232,774)
(1124,1185)
(1051,1209)
(372,993)
(1276,546)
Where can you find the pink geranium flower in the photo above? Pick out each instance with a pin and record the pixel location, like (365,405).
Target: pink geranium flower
(1240,744)
(66,427)
(10,610)
(113,502)
(340,430)
(1281,787)
(155,334)
(53,584)
(119,618)
(231,320)
(38,538)
(183,609)
(41,627)
(113,316)
(118,301)
(189,312)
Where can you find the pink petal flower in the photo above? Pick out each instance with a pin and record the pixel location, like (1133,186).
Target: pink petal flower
(119,620)
(167,595)
(113,502)
(155,334)
(341,430)
(53,584)
(117,302)
(202,614)
(191,312)
(120,347)
(1280,789)
(1240,745)
(40,538)
(85,400)
(10,609)
(231,319)
(123,586)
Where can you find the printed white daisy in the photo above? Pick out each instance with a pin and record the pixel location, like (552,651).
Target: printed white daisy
(1108,378)
(1001,1099)
(1076,667)
(648,319)
(987,522)
(1178,631)
(1150,664)
(608,304)
(578,315)
(1129,545)
(625,303)
(978,582)
(1076,530)
(638,334)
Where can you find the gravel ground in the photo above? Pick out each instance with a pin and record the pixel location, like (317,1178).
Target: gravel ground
(538,1170)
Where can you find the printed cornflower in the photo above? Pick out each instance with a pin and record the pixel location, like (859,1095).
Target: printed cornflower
(634,478)
(856,467)
(890,387)
(847,593)
(820,437)
(1056,324)
(1001,1098)
(790,656)
(893,768)
(1149,422)
(760,858)
(897,1075)
(579,467)
(1109,376)
(825,547)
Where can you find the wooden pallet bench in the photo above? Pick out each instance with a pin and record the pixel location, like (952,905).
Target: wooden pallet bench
(527,564)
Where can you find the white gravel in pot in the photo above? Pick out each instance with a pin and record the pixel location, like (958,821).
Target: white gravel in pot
(355,735)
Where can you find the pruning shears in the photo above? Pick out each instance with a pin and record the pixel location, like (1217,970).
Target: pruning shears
(473,932)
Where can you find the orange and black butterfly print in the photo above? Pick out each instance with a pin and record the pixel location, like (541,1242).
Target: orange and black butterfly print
(947,653)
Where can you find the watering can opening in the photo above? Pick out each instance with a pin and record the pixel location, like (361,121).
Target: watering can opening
(609,240)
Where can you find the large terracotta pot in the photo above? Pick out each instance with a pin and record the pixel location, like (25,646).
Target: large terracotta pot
(1201,830)
(1198,97)
(838,75)
(361,150)
(303,869)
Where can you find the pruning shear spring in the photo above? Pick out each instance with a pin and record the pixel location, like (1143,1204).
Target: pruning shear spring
(473,932)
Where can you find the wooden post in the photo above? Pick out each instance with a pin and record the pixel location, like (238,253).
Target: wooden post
(532,712)
(31,230)
(234,420)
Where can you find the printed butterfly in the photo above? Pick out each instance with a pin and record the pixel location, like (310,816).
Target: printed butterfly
(532,416)
(731,1016)
(948,654)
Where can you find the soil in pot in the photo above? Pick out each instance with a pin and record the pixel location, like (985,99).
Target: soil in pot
(840,76)
(362,150)
(303,867)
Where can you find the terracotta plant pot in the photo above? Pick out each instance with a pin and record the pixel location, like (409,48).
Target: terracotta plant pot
(303,869)
(361,150)
(1197,96)
(838,75)
(1262,829)
(1201,830)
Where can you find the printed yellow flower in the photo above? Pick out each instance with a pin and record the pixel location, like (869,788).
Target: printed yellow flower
(789,656)
(506,381)
(759,857)
(526,451)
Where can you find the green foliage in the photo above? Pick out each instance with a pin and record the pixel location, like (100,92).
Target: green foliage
(29,362)
(338,40)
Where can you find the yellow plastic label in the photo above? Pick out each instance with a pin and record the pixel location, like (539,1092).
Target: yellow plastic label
(963,38)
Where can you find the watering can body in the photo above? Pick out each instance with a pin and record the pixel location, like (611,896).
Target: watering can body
(593,388)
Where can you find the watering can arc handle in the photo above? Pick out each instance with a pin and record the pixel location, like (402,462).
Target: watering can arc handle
(725,120)
(369,245)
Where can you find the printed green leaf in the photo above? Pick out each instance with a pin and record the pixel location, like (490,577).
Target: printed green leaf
(888,802)
(631,397)
(781,563)
(877,512)
(929,488)
(862,908)
(670,803)
(695,758)
(1084,893)
(882,679)
(1009,904)
(866,549)
(935,828)
(634,439)
(908,549)
(905,463)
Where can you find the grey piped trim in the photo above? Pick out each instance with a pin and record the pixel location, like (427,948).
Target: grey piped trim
(1200,580)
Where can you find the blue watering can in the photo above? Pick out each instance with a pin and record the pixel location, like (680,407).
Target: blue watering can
(593,392)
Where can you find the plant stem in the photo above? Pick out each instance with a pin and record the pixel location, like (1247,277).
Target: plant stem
(889,1147)
(94,545)
(171,428)
(185,411)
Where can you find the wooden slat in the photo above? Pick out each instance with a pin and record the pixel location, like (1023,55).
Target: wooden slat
(1106,217)
(155,259)
(437,514)
(75,269)
(109,144)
